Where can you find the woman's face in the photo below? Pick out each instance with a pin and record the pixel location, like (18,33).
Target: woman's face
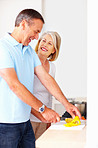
(46,46)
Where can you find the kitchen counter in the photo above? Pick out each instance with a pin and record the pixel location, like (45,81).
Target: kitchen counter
(57,138)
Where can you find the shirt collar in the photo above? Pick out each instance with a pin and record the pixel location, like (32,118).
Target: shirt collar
(11,39)
(14,42)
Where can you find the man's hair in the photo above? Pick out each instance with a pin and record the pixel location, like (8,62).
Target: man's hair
(28,15)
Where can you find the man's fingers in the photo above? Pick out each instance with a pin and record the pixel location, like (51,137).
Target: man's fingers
(58,119)
(72,114)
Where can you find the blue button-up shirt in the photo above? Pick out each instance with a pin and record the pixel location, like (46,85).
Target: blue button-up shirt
(12,109)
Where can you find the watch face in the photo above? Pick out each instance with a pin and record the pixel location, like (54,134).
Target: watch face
(42,109)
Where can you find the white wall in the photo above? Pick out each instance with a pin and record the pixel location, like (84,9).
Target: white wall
(68,18)
(92,73)
(9,9)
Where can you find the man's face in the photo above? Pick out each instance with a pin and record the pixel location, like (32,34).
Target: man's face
(31,32)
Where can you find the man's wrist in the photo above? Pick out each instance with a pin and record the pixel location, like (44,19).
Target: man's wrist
(42,108)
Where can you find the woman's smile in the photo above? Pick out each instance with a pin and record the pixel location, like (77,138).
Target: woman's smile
(44,49)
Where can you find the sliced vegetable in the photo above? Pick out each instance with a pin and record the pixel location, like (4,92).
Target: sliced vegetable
(83,118)
(72,122)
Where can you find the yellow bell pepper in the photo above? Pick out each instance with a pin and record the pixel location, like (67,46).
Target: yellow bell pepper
(72,122)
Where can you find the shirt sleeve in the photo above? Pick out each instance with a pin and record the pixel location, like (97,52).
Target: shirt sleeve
(37,61)
(5,58)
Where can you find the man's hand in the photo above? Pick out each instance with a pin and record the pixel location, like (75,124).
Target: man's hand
(50,115)
(72,110)
(55,90)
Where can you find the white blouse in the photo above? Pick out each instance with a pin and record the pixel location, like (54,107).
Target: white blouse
(41,93)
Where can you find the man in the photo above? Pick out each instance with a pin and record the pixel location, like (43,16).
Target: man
(18,63)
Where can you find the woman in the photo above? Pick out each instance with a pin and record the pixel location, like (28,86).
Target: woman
(47,50)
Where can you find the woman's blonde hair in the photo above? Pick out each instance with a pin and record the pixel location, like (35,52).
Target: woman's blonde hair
(56,41)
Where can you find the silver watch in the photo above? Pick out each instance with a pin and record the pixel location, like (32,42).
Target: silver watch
(42,108)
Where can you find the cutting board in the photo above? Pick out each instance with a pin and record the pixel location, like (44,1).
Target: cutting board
(60,126)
